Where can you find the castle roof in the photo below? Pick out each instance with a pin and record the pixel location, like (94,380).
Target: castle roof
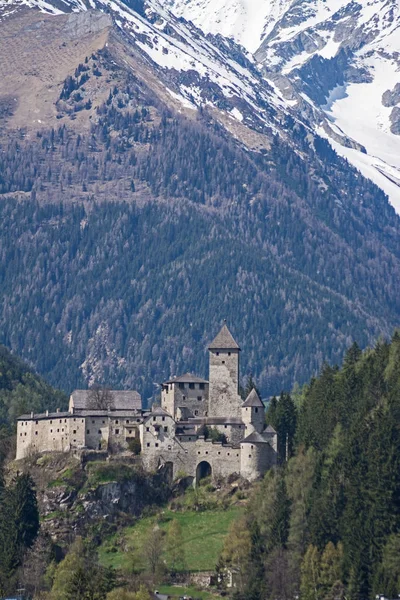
(224,340)
(121,400)
(253,399)
(186,378)
(270,429)
(255,438)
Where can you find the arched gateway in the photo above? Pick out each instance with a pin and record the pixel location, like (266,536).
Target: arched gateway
(203,470)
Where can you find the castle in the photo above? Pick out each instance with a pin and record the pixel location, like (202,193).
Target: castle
(202,427)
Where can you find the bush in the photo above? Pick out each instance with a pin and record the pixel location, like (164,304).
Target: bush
(135,446)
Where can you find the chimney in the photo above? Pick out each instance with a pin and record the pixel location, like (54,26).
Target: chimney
(58,410)
(47,413)
(31,415)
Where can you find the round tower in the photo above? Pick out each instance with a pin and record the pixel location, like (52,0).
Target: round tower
(253,413)
(256,456)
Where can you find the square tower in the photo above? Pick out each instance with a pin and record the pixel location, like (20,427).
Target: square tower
(224,399)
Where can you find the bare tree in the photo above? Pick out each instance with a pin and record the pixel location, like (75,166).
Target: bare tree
(153,549)
(36,561)
(100,398)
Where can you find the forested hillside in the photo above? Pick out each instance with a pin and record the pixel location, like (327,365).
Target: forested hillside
(130,229)
(327,524)
(22,391)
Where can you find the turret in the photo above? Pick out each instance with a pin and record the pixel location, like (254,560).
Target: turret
(224,396)
(253,413)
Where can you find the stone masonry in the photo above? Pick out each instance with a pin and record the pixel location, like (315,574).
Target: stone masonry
(180,435)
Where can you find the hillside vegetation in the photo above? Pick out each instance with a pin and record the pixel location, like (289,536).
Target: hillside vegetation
(22,391)
(327,523)
(134,237)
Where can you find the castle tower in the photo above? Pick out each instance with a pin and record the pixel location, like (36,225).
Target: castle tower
(253,413)
(224,399)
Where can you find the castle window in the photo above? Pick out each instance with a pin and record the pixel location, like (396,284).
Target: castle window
(154,418)
(137,420)
(127,420)
(181,386)
(249,455)
(256,409)
(74,420)
(166,429)
(148,444)
(237,454)
(183,397)
(198,451)
(99,431)
(226,426)
(201,386)
(92,422)
(65,420)
(58,431)
(88,431)
(36,422)
(196,412)
(147,428)
(206,451)
(156,444)
(218,452)
(229,353)
(25,433)
(217,353)
(74,431)
(223,362)
(83,420)
(35,432)
(190,439)
(191,386)
(51,422)
(117,422)
(163,418)
(20,434)
(252,447)
(104,422)
(116,431)
(229,453)
(199,398)
(60,420)
(74,440)
(62,429)
(130,431)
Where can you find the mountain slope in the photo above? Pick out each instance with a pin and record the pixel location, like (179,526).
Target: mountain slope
(337,60)
(154,184)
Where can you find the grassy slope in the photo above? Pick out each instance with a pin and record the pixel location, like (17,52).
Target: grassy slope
(203,532)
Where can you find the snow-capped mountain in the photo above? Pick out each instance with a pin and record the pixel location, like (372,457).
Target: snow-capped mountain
(338,59)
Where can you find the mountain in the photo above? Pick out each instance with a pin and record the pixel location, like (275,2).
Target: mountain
(337,61)
(155,182)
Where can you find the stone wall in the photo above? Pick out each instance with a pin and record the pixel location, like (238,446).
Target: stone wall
(256,460)
(254,419)
(188,395)
(224,398)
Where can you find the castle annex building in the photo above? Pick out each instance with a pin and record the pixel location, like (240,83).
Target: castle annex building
(202,428)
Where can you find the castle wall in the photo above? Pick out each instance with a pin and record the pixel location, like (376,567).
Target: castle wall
(188,395)
(254,419)
(224,398)
(255,460)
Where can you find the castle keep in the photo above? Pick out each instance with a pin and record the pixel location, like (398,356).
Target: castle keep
(201,428)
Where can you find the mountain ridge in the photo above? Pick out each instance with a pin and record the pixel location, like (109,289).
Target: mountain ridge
(145,214)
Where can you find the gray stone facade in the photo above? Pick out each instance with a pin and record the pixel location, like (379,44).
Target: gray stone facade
(179,434)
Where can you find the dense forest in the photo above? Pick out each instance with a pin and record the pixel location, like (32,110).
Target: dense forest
(21,391)
(125,244)
(326,524)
